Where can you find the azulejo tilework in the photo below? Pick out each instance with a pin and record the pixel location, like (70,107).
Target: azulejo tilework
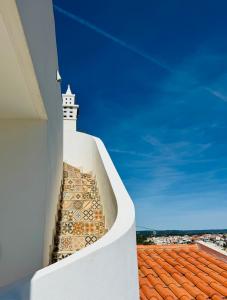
(81,219)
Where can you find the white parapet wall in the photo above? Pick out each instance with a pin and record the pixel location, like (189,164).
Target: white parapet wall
(107,269)
(84,151)
(213,250)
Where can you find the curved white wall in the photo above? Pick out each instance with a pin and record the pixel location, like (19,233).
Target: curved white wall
(107,269)
(83,151)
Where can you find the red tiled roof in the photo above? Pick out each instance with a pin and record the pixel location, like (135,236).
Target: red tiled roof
(182,272)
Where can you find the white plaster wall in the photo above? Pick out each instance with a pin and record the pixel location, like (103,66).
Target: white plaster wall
(38,21)
(107,269)
(20,93)
(69,125)
(109,273)
(23,192)
(31,156)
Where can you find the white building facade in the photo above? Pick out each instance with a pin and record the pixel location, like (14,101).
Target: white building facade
(34,144)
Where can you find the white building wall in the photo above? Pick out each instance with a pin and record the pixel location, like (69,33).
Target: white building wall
(23,189)
(108,268)
(109,273)
(31,153)
(69,125)
(104,270)
(41,40)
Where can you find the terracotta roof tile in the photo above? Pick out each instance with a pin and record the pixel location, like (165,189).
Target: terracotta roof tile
(142,296)
(183,272)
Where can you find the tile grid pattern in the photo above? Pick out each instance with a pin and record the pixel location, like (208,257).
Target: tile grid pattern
(180,272)
(81,220)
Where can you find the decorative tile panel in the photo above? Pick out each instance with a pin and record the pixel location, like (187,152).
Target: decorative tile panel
(81,220)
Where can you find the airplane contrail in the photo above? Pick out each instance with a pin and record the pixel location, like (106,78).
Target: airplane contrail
(126,45)
(112,38)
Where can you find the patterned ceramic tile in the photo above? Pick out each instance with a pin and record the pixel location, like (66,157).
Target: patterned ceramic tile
(71,187)
(76,188)
(88,215)
(89,188)
(67,215)
(72,196)
(88,181)
(67,204)
(78,228)
(88,196)
(71,174)
(67,228)
(73,181)
(78,204)
(87,204)
(98,215)
(96,204)
(65,243)
(65,174)
(78,242)
(81,220)
(78,215)
(90,239)
(67,196)
(101,228)
(90,228)
(86,175)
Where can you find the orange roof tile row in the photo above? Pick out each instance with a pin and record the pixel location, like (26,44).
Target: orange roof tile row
(182,272)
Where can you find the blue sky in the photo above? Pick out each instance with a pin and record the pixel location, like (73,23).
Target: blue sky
(151,80)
